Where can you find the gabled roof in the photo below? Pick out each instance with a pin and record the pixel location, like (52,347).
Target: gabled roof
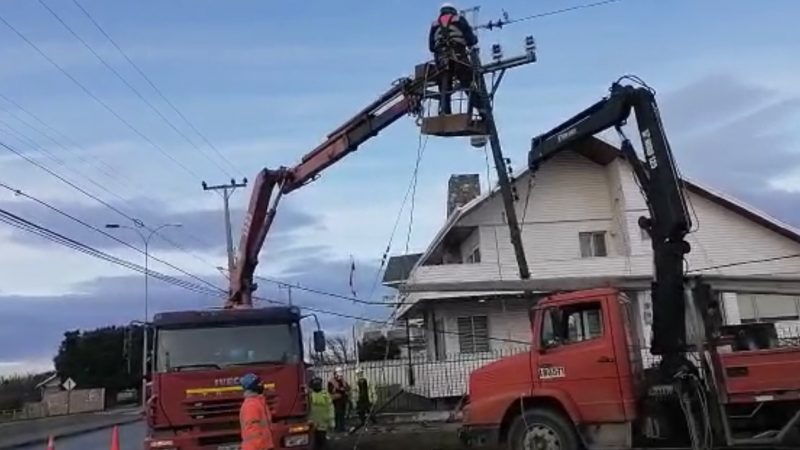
(47,380)
(603,153)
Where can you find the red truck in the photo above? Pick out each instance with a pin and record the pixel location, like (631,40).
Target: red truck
(583,383)
(195,396)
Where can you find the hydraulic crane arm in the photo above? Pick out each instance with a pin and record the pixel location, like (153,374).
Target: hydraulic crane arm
(403,98)
(669,220)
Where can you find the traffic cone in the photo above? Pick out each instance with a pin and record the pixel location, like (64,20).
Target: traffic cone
(115,438)
(50,444)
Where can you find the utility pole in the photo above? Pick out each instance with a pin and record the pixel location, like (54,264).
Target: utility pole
(227,191)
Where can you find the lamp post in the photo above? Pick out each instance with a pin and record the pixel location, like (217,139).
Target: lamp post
(146,241)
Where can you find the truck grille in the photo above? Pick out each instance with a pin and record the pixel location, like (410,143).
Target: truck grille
(216,408)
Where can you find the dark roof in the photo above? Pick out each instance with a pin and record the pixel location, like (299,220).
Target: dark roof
(399,267)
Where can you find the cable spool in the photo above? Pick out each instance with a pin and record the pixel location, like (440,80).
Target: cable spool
(478,141)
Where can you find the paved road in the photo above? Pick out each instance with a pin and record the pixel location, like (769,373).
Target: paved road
(130,438)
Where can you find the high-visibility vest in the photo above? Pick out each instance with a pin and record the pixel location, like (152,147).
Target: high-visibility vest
(321,410)
(255,420)
(447,32)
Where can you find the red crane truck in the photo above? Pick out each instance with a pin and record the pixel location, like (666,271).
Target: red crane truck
(194,396)
(583,383)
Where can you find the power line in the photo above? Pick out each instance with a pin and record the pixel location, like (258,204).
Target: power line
(105,168)
(100,101)
(382,322)
(155,88)
(114,176)
(46,233)
(322,292)
(500,23)
(113,208)
(750,261)
(104,233)
(129,85)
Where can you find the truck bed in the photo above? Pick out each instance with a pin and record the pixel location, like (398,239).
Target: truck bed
(762,375)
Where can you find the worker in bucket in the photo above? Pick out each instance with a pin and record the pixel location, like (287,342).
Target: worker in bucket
(321,413)
(339,390)
(254,415)
(450,40)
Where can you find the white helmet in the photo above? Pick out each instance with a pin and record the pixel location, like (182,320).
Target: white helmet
(448,7)
(359,371)
(338,371)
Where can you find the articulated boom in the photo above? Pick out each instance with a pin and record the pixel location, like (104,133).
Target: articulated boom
(669,220)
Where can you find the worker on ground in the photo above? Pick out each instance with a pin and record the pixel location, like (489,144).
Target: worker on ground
(365,396)
(254,416)
(321,413)
(339,390)
(450,40)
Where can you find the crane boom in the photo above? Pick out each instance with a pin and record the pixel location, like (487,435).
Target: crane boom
(401,99)
(669,220)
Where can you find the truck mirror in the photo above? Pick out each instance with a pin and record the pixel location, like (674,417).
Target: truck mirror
(319,341)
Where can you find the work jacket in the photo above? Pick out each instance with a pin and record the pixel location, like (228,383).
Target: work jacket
(321,410)
(451,29)
(364,393)
(255,420)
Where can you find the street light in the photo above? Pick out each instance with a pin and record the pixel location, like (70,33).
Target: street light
(146,241)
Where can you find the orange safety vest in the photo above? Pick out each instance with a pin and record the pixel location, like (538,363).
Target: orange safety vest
(255,420)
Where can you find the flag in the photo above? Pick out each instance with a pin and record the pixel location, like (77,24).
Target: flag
(352,274)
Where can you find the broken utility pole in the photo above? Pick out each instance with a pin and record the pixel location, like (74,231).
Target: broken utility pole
(227,191)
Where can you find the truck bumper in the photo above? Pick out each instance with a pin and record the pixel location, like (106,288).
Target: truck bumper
(480,436)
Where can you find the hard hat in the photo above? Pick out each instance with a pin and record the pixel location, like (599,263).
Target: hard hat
(250,382)
(448,7)
(359,371)
(338,371)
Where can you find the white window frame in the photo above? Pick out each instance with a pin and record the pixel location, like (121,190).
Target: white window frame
(592,250)
(471,342)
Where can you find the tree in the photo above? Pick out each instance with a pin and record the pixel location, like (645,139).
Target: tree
(16,390)
(109,357)
(378,349)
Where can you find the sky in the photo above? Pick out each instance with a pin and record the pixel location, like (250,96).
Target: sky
(264,82)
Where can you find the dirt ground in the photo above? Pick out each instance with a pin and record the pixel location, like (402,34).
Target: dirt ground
(437,436)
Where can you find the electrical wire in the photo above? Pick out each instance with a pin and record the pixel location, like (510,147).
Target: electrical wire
(503,22)
(155,88)
(52,208)
(750,261)
(131,87)
(53,236)
(322,292)
(99,101)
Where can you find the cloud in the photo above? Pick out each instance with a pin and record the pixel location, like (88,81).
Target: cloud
(118,300)
(737,137)
(200,229)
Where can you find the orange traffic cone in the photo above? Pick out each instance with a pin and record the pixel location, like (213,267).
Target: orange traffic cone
(115,438)
(50,444)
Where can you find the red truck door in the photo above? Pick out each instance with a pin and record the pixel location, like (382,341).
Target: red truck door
(576,356)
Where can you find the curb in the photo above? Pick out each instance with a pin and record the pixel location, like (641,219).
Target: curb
(77,432)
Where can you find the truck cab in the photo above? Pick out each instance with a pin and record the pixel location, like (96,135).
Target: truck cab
(199,356)
(583,384)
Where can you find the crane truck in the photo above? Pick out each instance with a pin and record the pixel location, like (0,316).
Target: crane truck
(583,383)
(194,394)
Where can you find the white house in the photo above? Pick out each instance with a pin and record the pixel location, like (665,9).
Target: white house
(578,216)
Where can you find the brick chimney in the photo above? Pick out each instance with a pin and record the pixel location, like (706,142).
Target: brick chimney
(461,189)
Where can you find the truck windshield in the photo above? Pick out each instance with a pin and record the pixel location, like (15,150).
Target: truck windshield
(220,346)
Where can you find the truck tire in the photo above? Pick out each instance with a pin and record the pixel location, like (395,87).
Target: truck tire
(542,429)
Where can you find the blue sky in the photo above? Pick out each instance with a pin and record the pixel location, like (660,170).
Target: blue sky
(266,81)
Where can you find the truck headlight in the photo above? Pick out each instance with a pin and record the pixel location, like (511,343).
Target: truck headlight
(295,440)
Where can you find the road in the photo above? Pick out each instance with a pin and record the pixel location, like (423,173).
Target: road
(130,438)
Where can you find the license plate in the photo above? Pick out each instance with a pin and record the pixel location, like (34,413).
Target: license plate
(229,447)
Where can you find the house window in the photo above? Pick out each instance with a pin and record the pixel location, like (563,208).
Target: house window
(593,243)
(767,308)
(572,324)
(474,257)
(473,334)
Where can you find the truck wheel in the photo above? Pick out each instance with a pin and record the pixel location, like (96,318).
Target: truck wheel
(541,429)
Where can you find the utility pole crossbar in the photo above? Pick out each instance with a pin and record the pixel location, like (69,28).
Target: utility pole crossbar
(227,191)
